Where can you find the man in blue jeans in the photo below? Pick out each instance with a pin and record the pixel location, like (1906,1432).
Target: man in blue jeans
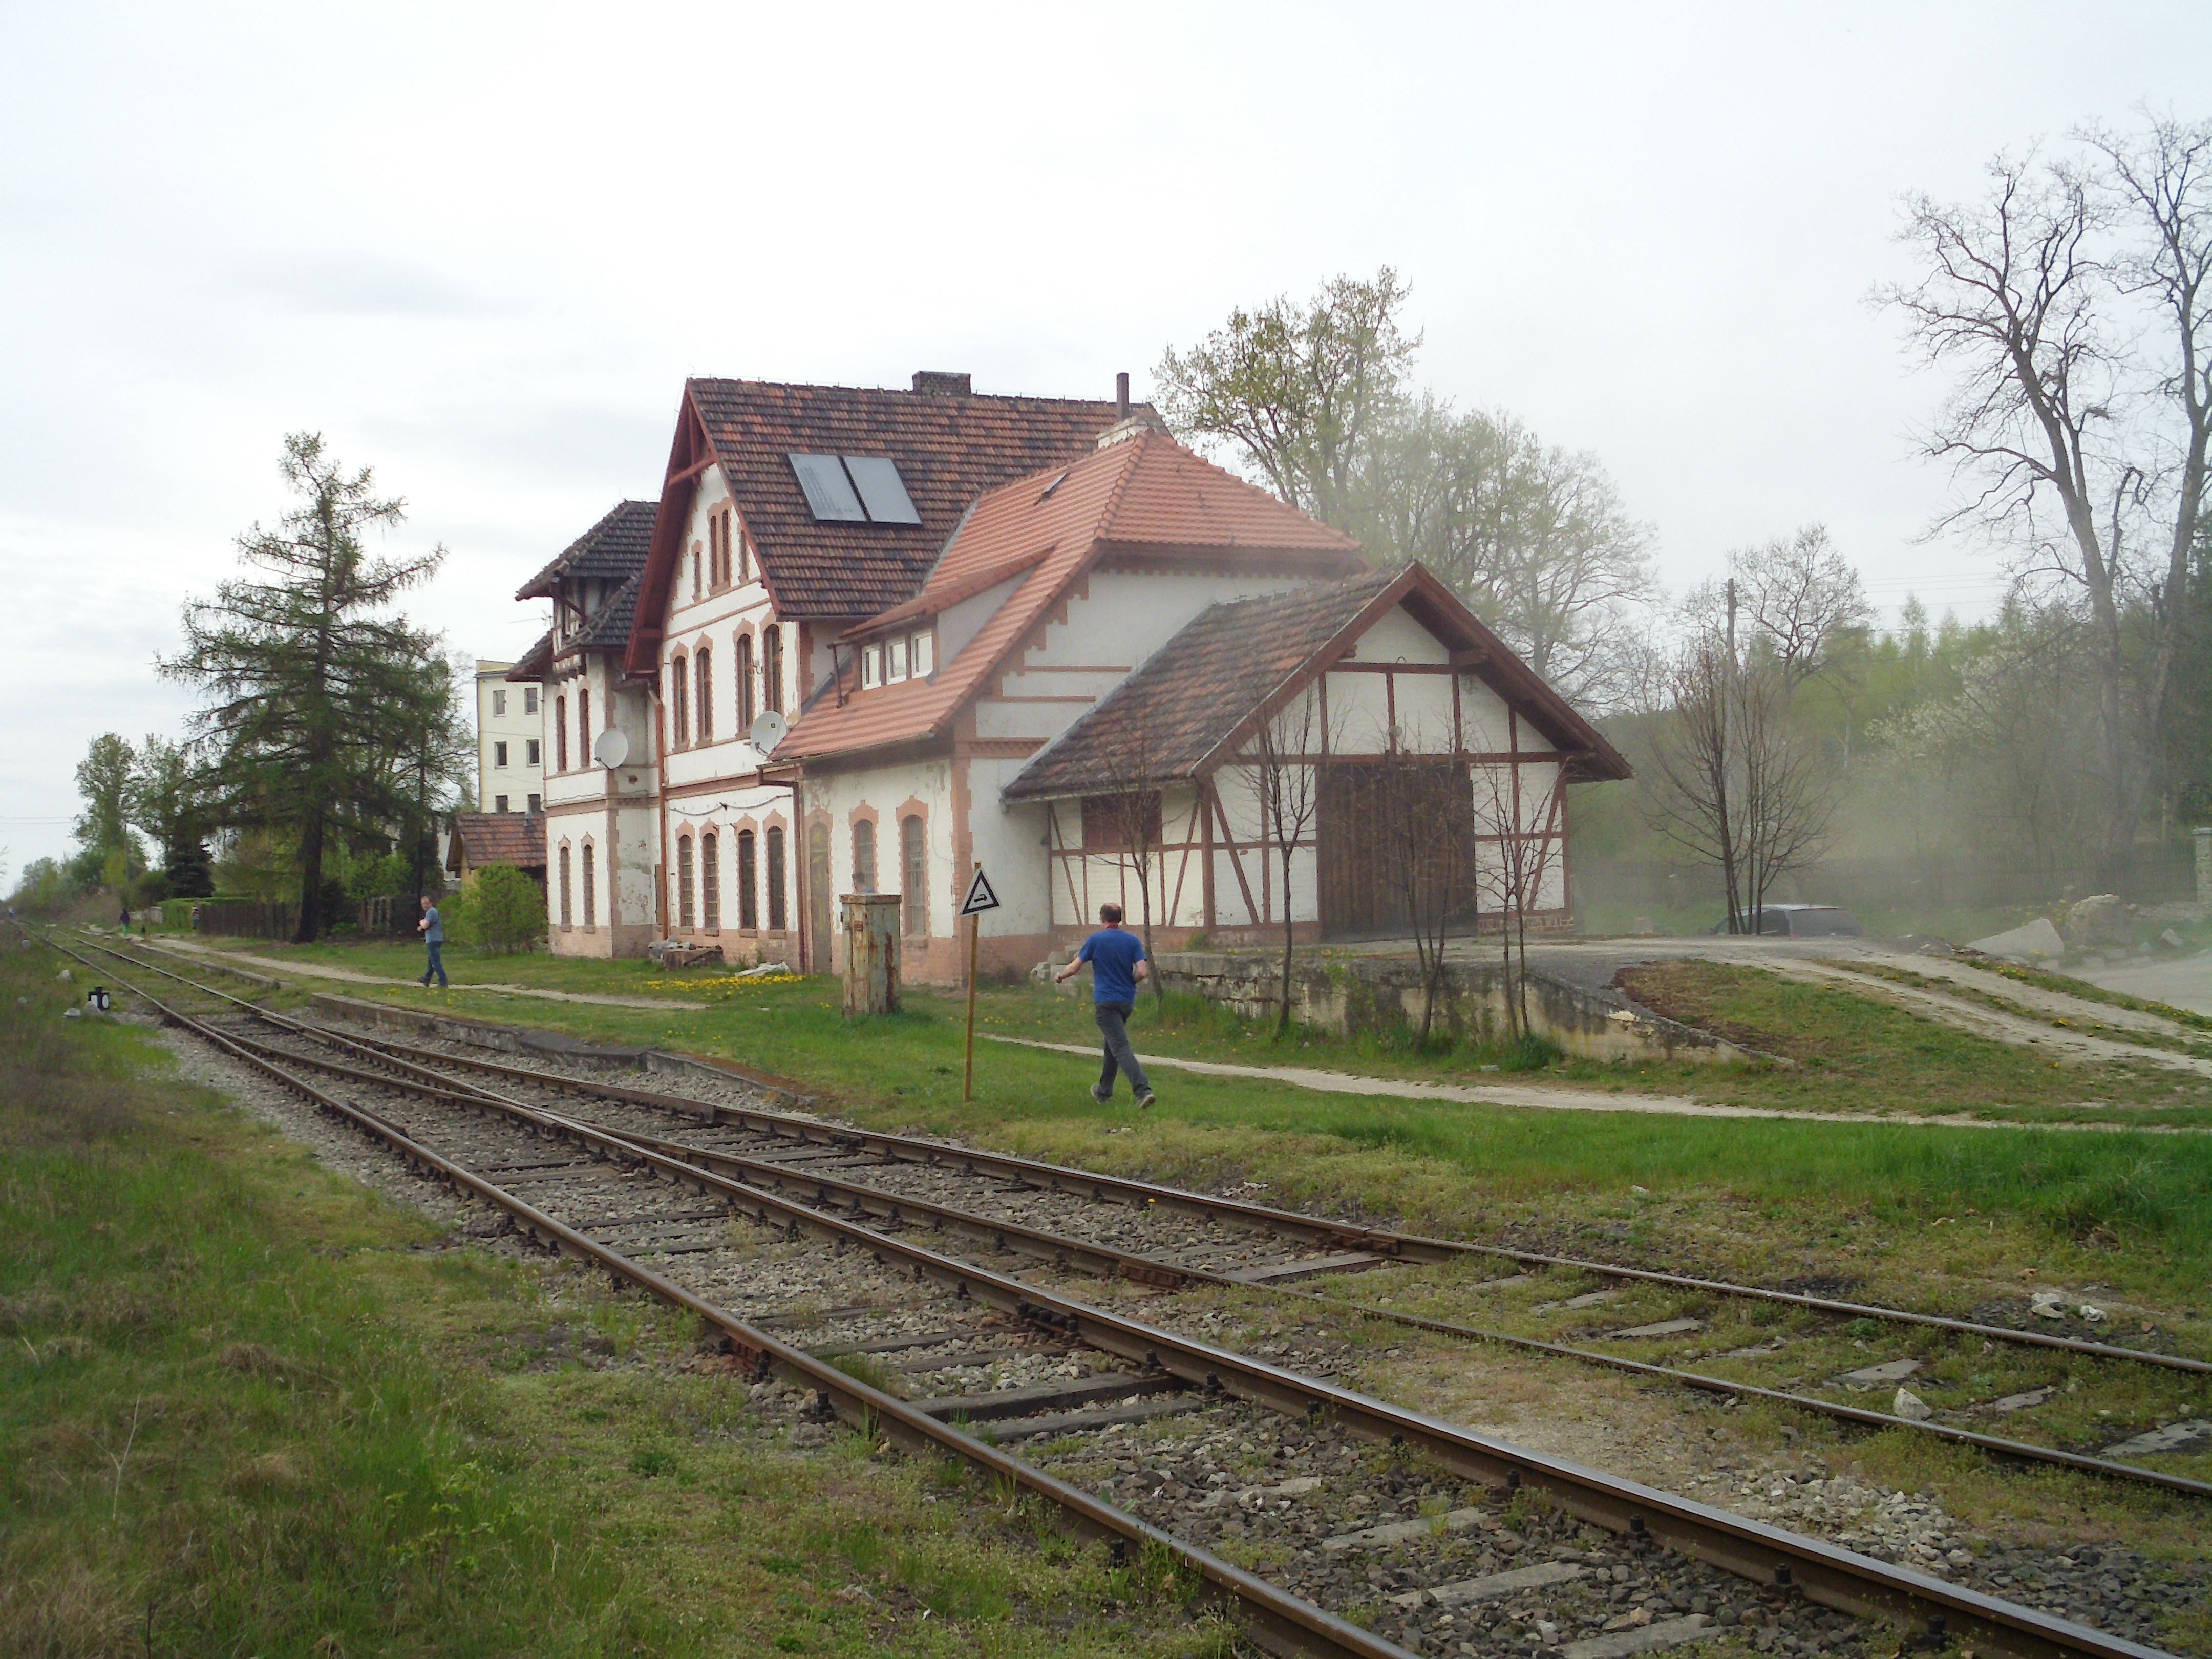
(1117,964)
(433,929)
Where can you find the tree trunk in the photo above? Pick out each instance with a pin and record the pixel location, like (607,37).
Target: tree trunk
(311,878)
(1283,1019)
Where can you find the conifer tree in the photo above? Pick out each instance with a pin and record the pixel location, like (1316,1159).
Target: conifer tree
(314,688)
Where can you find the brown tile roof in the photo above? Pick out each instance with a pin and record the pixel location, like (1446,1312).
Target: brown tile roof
(537,662)
(607,629)
(516,838)
(949,448)
(1188,707)
(1167,719)
(615,546)
(1143,496)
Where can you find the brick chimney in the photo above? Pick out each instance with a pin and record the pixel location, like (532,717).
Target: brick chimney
(942,383)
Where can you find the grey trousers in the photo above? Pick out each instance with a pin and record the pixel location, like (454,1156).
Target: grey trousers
(1113,1024)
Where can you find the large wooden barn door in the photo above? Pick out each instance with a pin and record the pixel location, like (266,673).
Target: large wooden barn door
(1392,832)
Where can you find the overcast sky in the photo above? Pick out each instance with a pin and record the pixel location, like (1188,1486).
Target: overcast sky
(479,247)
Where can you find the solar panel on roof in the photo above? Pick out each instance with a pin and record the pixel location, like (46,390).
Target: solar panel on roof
(882,489)
(829,491)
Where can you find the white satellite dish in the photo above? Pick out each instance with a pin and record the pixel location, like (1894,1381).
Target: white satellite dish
(769,731)
(611,748)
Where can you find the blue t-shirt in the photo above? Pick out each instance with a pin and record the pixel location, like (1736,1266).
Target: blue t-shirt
(435,934)
(1113,954)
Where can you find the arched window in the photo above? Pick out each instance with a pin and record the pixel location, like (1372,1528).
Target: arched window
(710,882)
(703,672)
(864,856)
(748,882)
(744,685)
(584,727)
(560,734)
(914,877)
(591,891)
(779,919)
(684,881)
(772,668)
(818,882)
(564,884)
(679,699)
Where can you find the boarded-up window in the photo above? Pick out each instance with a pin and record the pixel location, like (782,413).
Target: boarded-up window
(744,685)
(864,856)
(914,876)
(560,734)
(564,887)
(679,699)
(1119,823)
(705,675)
(683,882)
(772,669)
(778,921)
(748,882)
(710,881)
(591,892)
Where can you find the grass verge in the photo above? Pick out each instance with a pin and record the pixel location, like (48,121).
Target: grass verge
(247,1406)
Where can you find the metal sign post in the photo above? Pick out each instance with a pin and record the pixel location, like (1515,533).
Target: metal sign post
(980,898)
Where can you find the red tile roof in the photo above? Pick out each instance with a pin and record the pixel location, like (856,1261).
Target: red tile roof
(516,838)
(1145,495)
(949,447)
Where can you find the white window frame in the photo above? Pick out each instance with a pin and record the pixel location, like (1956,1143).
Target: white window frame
(871,667)
(895,660)
(531,754)
(924,653)
(529,699)
(499,705)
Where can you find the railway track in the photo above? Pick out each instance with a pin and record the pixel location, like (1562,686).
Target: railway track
(1134,1230)
(720,1222)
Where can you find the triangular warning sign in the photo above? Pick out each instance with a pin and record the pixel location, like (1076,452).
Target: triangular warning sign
(979,897)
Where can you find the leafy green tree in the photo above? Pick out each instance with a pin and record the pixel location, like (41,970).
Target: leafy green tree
(103,778)
(1301,391)
(314,690)
(166,800)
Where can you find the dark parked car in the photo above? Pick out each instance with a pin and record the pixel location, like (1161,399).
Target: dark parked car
(1798,921)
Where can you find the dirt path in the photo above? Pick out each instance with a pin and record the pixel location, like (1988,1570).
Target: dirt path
(1556,1100)
(2069,1042)
(353,976)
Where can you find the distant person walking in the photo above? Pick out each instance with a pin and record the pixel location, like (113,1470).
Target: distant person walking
(433,929)
(1117,964)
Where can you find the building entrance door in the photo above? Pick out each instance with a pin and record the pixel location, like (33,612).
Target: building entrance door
(1397,845)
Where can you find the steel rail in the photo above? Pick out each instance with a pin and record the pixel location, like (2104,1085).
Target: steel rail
(1112,1261)
(1824,1572)
(1405,1247)
(1285,1623)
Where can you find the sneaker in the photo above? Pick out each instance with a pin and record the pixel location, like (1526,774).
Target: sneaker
(1099,1095)
(1145,1101)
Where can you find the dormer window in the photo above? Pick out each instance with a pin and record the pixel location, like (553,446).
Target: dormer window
(902,657)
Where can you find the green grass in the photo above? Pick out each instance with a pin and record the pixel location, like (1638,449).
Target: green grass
(2100,1201)
(245,1407)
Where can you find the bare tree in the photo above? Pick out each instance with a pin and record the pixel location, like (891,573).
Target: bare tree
(1288,783)
(1130,809)
(2072,305)
(1423,819)
(1512,875)
(1739,784)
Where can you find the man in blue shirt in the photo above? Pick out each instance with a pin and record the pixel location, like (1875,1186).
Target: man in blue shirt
(433,929)
(1117,964)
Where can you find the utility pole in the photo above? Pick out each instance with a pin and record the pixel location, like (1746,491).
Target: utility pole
(1728,838)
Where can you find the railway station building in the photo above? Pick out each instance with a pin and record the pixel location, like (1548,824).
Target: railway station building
(867,640)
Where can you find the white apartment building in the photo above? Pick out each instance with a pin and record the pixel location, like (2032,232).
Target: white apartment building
(510,741)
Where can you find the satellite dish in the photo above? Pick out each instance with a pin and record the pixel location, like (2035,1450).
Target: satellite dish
(611,748)
(767,732)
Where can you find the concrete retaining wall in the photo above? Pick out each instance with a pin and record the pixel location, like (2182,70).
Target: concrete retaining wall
(1351,995)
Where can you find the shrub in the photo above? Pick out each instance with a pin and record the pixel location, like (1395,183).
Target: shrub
(502,910)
